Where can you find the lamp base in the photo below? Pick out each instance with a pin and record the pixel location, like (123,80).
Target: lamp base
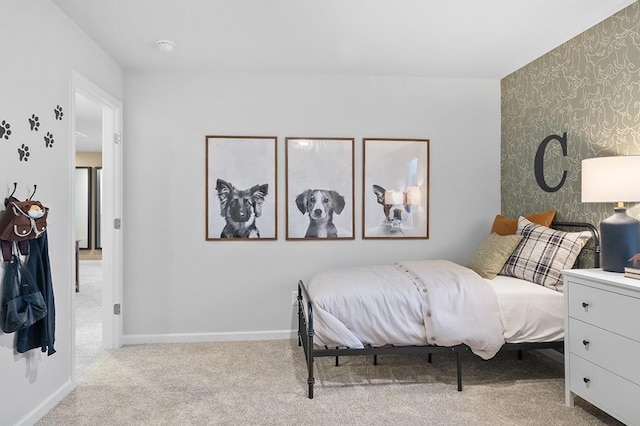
(619,239)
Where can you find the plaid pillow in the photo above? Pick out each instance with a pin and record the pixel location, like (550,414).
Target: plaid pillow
(543,253)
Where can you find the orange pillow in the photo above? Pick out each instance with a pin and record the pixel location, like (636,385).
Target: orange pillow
(503,225)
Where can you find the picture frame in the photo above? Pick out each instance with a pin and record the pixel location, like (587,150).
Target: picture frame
(98,209)
(395,188)
(320,180)
(82,207)
(241,188)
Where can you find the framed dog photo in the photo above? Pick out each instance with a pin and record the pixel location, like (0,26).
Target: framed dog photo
(395,188)
(320,189)
(241,188)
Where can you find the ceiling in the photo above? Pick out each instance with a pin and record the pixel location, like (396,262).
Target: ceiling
(421,38)
(430,38)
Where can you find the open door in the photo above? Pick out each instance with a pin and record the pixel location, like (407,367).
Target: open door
(111,206)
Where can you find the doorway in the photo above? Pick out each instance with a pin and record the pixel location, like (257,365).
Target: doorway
(89,285)
(97,183)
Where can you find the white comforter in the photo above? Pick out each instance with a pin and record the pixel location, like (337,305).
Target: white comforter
(410,303)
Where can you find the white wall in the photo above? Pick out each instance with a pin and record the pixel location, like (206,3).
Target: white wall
(40,47)
(177,286)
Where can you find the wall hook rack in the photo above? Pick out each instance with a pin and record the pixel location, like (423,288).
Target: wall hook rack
(35,188)
(15,186)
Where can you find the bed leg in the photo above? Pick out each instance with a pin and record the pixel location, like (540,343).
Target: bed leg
(337,362)
(519,354)
(429,359)
(375,360)
(459,371)
(310,380)
(309,349)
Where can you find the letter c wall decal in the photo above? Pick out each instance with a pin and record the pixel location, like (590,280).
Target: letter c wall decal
(539,162)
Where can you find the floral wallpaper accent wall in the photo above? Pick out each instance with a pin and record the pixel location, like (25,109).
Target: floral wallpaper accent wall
(589,87)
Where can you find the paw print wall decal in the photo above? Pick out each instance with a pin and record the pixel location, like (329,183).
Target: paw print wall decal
(24,153)
(48,140)
(4,130)
(58,112)
(34,122)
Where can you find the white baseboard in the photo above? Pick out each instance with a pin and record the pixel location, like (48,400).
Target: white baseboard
(47,405)
(140,339)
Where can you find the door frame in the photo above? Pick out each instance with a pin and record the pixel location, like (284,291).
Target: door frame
(111,238)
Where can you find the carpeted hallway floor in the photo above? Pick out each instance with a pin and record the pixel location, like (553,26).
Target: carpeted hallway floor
(88,304)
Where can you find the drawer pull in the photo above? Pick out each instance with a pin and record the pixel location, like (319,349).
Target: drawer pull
(585,342)
(586,379)
(585,305)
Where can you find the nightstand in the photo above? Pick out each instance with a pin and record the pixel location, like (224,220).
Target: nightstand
(602,341)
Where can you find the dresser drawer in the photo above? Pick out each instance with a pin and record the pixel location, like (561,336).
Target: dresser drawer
(605,309)
(609,392)
(608,350)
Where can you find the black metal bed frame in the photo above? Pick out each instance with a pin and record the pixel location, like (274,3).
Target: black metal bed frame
(306,331)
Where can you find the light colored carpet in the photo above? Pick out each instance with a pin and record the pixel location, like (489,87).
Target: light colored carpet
(264,383)
(88,303)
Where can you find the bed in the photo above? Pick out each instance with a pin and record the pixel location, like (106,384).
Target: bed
(438,306)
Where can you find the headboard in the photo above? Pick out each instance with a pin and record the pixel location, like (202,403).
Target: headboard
(590,255)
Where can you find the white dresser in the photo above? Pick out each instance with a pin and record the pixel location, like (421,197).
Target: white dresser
(602,341)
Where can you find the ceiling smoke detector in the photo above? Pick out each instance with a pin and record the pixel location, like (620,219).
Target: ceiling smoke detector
(165,45)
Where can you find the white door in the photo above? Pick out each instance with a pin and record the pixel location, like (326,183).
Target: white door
(110,235)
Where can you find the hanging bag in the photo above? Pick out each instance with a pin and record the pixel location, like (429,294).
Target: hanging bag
(23,220)
(22,303)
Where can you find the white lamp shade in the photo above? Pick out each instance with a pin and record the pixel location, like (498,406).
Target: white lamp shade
(394,197)
(611,179)
(414,196)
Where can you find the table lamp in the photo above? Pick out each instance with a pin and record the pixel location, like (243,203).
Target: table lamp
(614,180)
(414,196)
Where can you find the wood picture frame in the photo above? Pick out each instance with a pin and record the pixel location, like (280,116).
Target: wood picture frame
(319,188)
(241,188)
(97,213)
(395,188)
(82,207)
